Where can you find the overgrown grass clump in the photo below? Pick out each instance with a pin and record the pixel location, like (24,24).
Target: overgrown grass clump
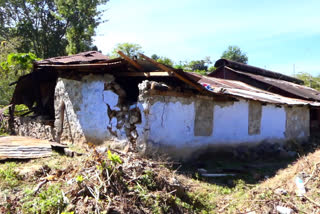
(49,200)
(8,176)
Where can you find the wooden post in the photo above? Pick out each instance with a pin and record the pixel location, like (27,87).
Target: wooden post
(60,127)
(11,119)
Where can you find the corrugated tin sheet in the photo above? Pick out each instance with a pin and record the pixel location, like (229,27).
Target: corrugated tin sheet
(81,58)
(255,70)
(215,85)
(17,147)
(242,90)
(299,90)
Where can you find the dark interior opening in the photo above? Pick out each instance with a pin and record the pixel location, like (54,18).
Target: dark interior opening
(314,121)
(130,85)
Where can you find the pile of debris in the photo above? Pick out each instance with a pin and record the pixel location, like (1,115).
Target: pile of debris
(109,182)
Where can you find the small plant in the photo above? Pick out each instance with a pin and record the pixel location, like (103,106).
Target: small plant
(147,179)
(48,201)
(115,159)
(79,179)
(8,174)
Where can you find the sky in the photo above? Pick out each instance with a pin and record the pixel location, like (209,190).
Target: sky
(282,35)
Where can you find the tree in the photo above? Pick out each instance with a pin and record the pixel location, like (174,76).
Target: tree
(129,49)
(234,53)
(155,57)
(198,66)
(165,61)
(309,80)
(50,27)
(17,64)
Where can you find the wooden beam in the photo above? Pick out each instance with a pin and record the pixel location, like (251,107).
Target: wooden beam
(179,76)
(142,74)
(79,66)
(131,61)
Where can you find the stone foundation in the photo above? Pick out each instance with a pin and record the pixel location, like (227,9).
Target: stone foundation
(34,127)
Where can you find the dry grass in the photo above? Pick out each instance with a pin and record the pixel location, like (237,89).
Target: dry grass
(96,183)
(141,185)
(263,198)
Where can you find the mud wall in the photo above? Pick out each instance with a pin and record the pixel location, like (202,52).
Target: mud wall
(94,111)
(181,126)
(298,122)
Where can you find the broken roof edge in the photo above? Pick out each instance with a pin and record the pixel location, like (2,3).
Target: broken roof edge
(255,70)
(88,57)
(240,90)
(299,91)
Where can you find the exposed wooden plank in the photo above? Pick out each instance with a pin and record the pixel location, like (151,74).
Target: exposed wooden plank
(81,66)
(131,61)
(142,74)
(18,147)
(165,68)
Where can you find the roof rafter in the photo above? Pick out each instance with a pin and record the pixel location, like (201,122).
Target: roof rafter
(170,70)
(131,61)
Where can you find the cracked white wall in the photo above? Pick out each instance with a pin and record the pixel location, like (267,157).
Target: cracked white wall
(169,123)
(94,113)
(86,114)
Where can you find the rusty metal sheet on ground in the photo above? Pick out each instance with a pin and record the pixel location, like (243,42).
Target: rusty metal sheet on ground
(18,147)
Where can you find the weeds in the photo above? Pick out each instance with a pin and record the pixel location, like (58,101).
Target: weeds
(9,177)
(47,201)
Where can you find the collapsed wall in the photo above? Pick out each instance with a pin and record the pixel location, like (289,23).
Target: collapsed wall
(96,109)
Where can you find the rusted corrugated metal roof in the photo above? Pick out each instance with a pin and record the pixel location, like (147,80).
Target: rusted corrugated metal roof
(240,89)
(17,147)
(255,70)
(299,90)
(217,86)
(80,58)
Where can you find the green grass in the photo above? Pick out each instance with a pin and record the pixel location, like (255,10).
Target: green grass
(8,176)
(49,200)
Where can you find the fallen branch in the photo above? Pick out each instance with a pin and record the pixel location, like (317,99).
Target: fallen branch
(312,201)
(36,190)
(312,174)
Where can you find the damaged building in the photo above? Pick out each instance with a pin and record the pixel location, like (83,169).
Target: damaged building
(150,107)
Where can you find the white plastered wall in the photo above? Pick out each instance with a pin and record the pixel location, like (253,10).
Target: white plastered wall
(86,109)
(169,122)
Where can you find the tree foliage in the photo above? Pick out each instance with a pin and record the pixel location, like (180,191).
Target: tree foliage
(235,54)
(309,80)
(12,66)
(198,66)
(162,60)
(129,49)
(50,27)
